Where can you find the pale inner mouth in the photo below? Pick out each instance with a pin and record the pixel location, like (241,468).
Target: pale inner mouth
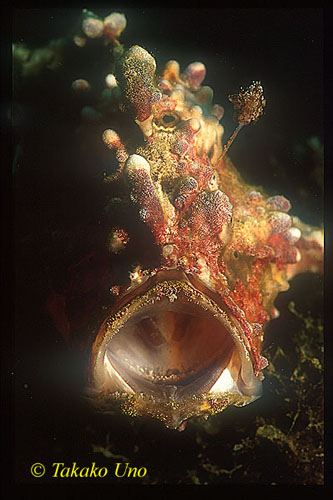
(174,350)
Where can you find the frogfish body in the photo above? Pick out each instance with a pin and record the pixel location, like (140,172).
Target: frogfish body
(184,338)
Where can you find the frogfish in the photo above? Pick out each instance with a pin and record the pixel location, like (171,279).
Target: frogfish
(182,337)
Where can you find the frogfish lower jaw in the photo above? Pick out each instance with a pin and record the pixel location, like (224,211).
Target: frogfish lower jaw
(171,352)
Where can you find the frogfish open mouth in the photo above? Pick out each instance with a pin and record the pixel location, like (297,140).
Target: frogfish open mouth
(176,350)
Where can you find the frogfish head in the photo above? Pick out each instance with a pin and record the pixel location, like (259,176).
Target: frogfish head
(185,338)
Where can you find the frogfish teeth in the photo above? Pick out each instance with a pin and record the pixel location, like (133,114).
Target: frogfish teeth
(184,338)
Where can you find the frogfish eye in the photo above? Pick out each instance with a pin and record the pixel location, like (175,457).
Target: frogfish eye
(168,120)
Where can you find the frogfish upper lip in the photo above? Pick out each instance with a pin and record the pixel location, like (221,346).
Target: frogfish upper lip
(169,350)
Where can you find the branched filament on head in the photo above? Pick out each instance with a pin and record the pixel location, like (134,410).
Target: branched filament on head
(249,105)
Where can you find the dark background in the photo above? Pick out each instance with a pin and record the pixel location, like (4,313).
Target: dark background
(283,48)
